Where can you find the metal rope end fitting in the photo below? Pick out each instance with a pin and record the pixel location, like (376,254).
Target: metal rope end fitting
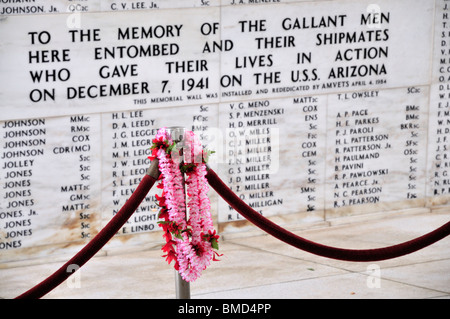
(153,170)
(177,134)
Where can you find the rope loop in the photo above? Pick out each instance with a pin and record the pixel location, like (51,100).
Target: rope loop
(85,254)
(318,249)
(250,214)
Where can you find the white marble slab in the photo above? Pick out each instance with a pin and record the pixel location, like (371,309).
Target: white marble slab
(375,150)
(274,155)
(319,47)
(114,5)
(316,109)
(109,62)
(50,176)
(75,7)
(438,182)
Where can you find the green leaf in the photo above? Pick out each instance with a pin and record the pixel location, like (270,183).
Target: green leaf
(207,153)
(170,148)
(178,236)
(215,244)
(184,168)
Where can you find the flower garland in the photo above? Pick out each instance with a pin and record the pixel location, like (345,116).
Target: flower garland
(189,242)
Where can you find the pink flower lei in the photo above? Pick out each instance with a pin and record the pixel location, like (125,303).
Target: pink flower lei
(189,242)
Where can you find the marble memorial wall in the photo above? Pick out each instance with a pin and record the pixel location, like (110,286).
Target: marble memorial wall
(316,110)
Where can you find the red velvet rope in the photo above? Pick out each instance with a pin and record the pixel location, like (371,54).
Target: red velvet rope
(234,201)
(318,249)
(95,244)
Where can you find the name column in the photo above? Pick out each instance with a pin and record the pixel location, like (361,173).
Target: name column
(438,186)
(23,141)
